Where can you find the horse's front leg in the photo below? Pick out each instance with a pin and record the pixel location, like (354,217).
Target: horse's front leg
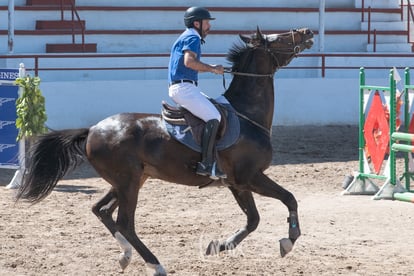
(246,202)
(263,185)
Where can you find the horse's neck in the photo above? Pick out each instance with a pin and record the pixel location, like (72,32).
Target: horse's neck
(253,97)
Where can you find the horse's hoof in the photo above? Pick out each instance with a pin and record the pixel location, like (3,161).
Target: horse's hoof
(126,254)
(156,270)
(124,260)
(213,248)
(286,246)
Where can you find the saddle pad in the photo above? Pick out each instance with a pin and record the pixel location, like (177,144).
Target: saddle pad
(184,136)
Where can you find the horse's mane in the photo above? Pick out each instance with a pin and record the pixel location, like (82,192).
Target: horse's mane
(235,55)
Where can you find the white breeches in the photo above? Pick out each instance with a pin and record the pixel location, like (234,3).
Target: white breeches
(191,98)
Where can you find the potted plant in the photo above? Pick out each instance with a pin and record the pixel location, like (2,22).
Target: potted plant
(30,108)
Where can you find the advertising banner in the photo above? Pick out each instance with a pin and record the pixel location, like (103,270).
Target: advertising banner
(9,147)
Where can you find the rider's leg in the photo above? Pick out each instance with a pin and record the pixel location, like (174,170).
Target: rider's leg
(208,166)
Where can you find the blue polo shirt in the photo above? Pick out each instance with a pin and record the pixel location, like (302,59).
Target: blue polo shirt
(188,40)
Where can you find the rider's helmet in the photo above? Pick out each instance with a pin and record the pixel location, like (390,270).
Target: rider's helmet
(196,14)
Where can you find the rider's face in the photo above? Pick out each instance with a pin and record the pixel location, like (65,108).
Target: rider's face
(206,27)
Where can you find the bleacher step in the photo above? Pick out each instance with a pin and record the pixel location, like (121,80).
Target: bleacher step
(378,3)
(59,25)
(390,47)
(71,48)
(385,25)
(49,2)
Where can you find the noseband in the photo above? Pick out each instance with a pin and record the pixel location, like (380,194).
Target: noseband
(295,49)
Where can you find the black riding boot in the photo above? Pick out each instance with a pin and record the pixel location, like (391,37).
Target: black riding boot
(208,166)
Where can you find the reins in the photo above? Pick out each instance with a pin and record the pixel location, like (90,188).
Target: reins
(253,122)
(229,71)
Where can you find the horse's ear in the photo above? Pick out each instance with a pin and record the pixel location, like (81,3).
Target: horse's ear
(253,40)
(246,39)
(259,34)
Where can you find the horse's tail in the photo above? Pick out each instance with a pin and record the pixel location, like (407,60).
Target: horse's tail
(50,158)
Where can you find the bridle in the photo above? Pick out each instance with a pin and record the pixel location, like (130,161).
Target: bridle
(295,49)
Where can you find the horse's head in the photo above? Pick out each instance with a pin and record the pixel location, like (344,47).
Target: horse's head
(282,46)
(294,41)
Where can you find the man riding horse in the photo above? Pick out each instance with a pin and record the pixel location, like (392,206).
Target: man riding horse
(126,149)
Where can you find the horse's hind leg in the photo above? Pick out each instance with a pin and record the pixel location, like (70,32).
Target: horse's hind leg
(128,197)
(104,210)
(125,198)
(246,202)
(263,185)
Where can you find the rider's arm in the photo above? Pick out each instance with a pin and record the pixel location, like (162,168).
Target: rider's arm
(190,60)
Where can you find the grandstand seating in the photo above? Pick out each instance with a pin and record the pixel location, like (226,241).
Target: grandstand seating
(133,26)
(150,27)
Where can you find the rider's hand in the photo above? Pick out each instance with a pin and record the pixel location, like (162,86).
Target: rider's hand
(218,69)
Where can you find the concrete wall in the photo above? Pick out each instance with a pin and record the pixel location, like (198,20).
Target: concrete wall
(303,97)
(307,101)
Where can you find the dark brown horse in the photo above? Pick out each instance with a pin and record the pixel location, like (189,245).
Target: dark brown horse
(126,149)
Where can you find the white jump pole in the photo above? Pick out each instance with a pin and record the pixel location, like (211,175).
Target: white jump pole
(321,25)
(321,35)
(10,39)
(18,175)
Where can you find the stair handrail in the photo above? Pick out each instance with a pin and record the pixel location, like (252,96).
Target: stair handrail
(369,31)
(74,12)
(410,18)
(362,10)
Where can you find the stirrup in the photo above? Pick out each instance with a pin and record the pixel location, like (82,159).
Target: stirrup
(212,171)
(216,173)
(203,169)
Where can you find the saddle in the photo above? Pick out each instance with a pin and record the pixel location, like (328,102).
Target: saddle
(182,117)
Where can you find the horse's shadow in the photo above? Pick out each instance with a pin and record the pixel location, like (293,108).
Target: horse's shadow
(314,144)
(76,189)
(84,171)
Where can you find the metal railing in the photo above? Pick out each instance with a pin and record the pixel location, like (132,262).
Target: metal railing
(374,33)
(322,59)
(74,13)
(410,18)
